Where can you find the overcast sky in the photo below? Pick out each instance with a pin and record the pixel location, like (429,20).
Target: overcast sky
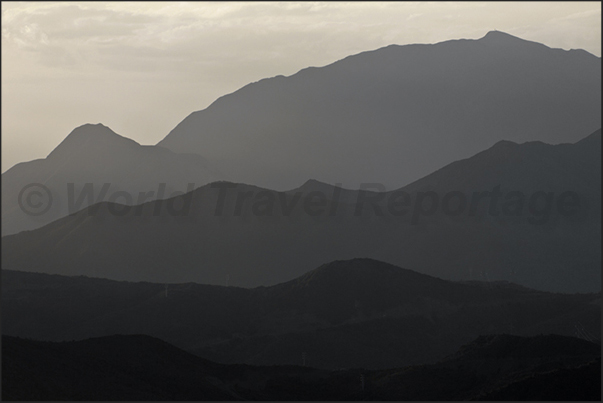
(140,68)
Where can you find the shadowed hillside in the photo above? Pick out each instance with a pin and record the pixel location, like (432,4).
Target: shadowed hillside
(143,368)
(346,314)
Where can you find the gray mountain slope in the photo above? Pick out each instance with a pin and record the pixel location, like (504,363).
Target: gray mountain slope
(396,114)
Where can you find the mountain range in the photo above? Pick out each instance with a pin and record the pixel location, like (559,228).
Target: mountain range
(396,114)
(236,234)
(345,314)
(418,222)
(388,116)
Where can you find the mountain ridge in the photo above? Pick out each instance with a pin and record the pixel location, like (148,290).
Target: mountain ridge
(278,235)
(329,313)
(90,133)
(388,106)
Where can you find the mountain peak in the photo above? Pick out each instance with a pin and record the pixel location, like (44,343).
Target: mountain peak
(499,36)
(505,144)
(90,136)
(313,182)
(97,130)
(364,270)
(313,185)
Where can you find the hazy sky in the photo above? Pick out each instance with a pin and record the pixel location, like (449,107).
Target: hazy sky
(140,68)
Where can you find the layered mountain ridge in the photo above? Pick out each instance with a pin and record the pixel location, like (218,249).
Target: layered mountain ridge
(235,234)
(345,314)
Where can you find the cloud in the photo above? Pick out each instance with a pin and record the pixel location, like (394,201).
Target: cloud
(115,35)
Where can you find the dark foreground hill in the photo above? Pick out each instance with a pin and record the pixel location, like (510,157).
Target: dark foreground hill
(543,231)
(346,314)
(139,367)
(395,114)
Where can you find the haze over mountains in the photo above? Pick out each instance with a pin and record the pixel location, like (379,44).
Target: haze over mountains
(420,220)
(94,154)
(251,242)
(389,116)
(396,114)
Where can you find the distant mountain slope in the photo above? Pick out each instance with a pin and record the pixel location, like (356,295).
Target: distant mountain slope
(524,167)
(346,314)
(95,154)
(142,368)
(232,234)
(395,114)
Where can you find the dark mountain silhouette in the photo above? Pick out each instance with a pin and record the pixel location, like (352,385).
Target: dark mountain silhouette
(225,239)
(346,314)
(395,114)
(502,367)
(110,368)
(95,154)
(143,368)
